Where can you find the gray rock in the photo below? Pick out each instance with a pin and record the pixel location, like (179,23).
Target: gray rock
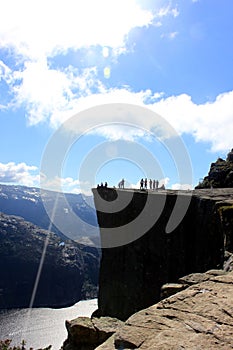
(87,333)
(131,275)
(200,317)
(169,289)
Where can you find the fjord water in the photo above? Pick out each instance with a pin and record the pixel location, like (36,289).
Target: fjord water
(41,327)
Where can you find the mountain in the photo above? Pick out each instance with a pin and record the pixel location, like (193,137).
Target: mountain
(220,174)
(69,271)
(74,214)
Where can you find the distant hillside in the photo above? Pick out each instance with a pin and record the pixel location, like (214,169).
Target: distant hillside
(27,203)
(69,273)
(220,174)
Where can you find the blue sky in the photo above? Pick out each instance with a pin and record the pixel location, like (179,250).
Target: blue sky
(58,58)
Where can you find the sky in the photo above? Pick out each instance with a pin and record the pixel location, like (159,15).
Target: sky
(100,90)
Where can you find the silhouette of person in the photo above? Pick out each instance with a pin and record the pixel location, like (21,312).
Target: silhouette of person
(150,184)
(156,184)
(153,184)
(106,184)
(123,183)
(141,184)
(145,182)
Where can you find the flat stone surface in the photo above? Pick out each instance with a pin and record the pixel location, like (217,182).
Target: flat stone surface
(195,278)
(199,317)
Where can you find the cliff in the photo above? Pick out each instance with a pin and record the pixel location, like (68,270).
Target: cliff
(69,273)
(131,275)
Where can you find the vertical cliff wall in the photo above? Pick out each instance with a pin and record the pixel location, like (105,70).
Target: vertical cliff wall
(132,274)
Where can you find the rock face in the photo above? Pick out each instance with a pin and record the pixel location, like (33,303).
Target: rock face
(220,174)
(131,275)
(69,272)
(200,317)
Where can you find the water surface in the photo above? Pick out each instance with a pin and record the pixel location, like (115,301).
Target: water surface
(41,327)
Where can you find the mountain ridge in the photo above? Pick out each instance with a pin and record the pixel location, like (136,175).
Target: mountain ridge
(69,271)
(32,204)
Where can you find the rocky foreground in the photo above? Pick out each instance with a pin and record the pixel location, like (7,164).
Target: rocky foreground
(199,317)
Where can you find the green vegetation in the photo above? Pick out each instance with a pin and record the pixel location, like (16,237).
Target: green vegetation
(6,345)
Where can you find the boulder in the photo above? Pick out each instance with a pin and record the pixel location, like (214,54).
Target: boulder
(86,333)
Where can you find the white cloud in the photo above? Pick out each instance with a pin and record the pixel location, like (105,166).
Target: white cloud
(178,186)
(164,181)
(6,73)
(44,28)
(41,29)
(120,132)
(65,185)
(20,173)
(35,31)
(104,96)
(27,175)
(45,91)
(57,95)
(171,35)
(167,10)
(208,122)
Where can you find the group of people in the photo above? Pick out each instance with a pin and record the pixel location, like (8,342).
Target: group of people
(102,185)
(144,184)
(151,184)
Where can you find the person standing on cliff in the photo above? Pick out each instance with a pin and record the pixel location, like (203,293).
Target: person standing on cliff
(153,184)
(141,184)
(150,184)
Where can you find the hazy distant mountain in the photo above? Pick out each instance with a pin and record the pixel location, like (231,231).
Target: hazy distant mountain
(27,203)
(69,272)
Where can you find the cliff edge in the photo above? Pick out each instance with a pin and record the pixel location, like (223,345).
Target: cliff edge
(132,274)
(135,278)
